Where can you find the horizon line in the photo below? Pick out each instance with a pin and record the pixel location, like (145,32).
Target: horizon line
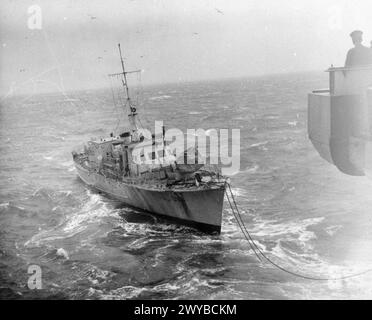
(155,84)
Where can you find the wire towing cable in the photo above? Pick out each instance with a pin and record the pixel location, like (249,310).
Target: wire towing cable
(261,255)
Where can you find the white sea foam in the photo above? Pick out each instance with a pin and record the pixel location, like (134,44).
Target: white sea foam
(295,231)
(57,137)
(67,164)
(131,292)
(161,252)
(162,97)
(44,236)
(71,100)
(66,192)
(145,229)
(332,230)
(301,260)
(4,205)
(272,228)
(127,292)
(251,169)
(229,226)
(62,253)
(238,192)
(92,212)
(95,274)
(258,144)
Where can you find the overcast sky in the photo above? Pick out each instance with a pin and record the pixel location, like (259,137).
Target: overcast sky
(172,40)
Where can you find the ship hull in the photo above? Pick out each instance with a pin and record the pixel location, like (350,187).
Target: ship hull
(340,120)
(201,208)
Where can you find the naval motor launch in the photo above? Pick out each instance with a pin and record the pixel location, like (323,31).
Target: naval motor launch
(154,181)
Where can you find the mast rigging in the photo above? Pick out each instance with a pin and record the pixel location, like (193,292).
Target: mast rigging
(124,81)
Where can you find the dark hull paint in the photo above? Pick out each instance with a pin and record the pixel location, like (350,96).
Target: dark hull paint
(201,209)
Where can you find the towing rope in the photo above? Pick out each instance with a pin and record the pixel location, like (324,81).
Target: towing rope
(259,253)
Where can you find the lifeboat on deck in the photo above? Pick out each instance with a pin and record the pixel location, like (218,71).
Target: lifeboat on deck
(340,120)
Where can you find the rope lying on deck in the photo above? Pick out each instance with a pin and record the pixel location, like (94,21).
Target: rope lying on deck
(260,254)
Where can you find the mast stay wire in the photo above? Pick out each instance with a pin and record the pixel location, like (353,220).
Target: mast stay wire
(139,101)
(115,104)
(118,99)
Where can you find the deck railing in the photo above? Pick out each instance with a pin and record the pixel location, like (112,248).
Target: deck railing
(346,81)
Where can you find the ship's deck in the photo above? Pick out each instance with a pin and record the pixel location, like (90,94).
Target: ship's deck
(155,185)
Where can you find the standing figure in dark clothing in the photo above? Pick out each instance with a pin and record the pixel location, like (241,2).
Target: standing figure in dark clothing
(359,55)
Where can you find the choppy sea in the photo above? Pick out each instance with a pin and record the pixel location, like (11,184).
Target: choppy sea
(302,212)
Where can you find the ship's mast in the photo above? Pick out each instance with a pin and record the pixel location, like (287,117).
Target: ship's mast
(133,110)
(125,83)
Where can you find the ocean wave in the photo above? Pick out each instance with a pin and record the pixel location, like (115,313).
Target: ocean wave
(19,207)
(214,271)
(238,192)
(271,116)
(288,229)
(207,239)
(67,163)
(245,251)
(66,193)
(62,253)
(93,211)
(303,262)
(96,275)
(186,284)
(293,123)
(158,228)
(4,205)
(41,193)
(56,197)
(253,169)
(162,97)
(127,292)
(229,225)
(56,137)
(258,144)
(292,240)
(160,253)
(69,100)
(332,230)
